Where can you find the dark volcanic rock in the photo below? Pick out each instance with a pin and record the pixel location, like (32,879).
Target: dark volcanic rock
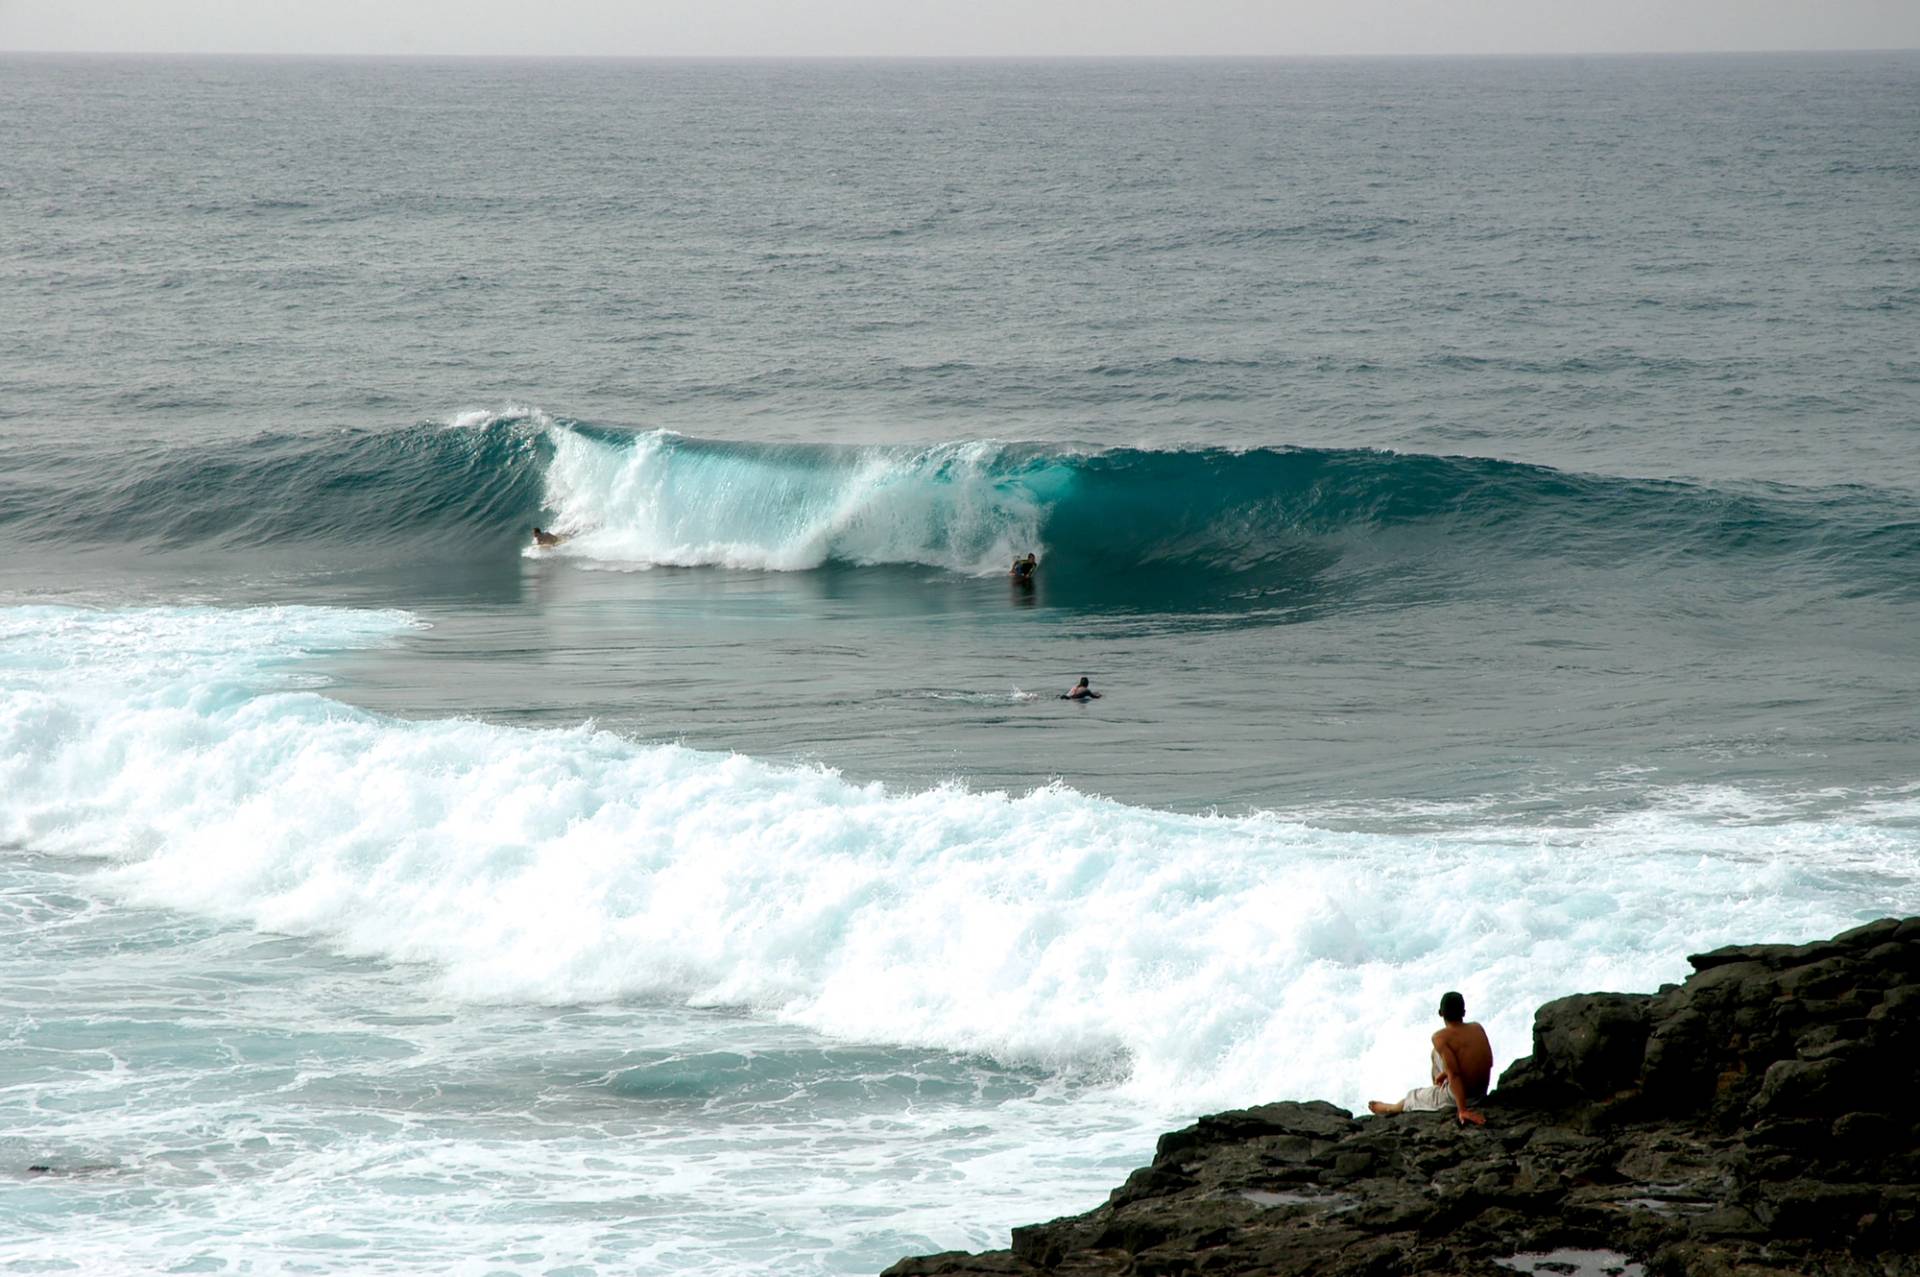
(1754,1120)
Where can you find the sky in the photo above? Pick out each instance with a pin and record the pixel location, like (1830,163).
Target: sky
(953,28)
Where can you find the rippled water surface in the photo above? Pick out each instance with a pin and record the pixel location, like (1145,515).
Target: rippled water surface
(1483,491)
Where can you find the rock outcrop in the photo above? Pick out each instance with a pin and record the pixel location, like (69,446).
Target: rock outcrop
(1761,1118)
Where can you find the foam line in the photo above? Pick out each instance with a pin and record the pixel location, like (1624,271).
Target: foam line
(1203,960)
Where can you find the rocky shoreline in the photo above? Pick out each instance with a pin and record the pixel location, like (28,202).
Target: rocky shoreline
(1761,1118)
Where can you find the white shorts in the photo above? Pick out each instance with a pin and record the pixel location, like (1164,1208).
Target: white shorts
(1433,1099)
(1428,1099)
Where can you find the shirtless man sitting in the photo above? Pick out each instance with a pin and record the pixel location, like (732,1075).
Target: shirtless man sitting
(1462,1067)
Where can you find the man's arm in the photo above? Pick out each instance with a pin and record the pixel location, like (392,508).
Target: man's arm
(1451,1063)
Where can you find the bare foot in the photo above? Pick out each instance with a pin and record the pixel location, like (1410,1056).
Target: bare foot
(1382,1107)
(1468,1115)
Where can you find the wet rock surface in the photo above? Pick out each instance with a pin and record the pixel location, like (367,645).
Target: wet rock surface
(1760,1118)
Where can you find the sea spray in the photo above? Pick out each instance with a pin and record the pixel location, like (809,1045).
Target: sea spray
(1196,960)
(661,499)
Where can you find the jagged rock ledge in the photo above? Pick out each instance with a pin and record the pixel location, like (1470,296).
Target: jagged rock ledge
(1762,1118)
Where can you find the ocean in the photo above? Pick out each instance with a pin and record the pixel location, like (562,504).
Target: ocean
(1484,492)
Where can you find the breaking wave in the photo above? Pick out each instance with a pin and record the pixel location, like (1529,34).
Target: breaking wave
(659,498)
(1200,960)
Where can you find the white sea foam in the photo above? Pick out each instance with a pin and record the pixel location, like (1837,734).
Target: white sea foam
(958,697)
(1206,960)
(532,420)
(654,501)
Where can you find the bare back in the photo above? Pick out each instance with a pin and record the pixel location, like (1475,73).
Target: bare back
(1464,1047)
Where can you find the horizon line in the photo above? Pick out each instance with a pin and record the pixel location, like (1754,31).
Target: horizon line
(951,57)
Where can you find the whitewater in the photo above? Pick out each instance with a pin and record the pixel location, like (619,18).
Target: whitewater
(1196,960)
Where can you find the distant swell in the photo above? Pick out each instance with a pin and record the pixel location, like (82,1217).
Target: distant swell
(658,498)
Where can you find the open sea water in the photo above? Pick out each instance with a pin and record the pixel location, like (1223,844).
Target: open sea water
(1486,493)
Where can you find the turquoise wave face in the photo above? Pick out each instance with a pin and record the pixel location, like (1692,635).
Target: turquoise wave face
(1165,527)
(353,488)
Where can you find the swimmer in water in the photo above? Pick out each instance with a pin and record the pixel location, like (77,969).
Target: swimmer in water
(1080,692)
(1022,569)
(547,540)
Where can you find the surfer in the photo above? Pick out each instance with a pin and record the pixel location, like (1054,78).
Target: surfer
(1462,1060)
(1080,692)
(547,540)
(1022,569)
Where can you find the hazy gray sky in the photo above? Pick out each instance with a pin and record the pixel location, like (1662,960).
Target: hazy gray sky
(954,27)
